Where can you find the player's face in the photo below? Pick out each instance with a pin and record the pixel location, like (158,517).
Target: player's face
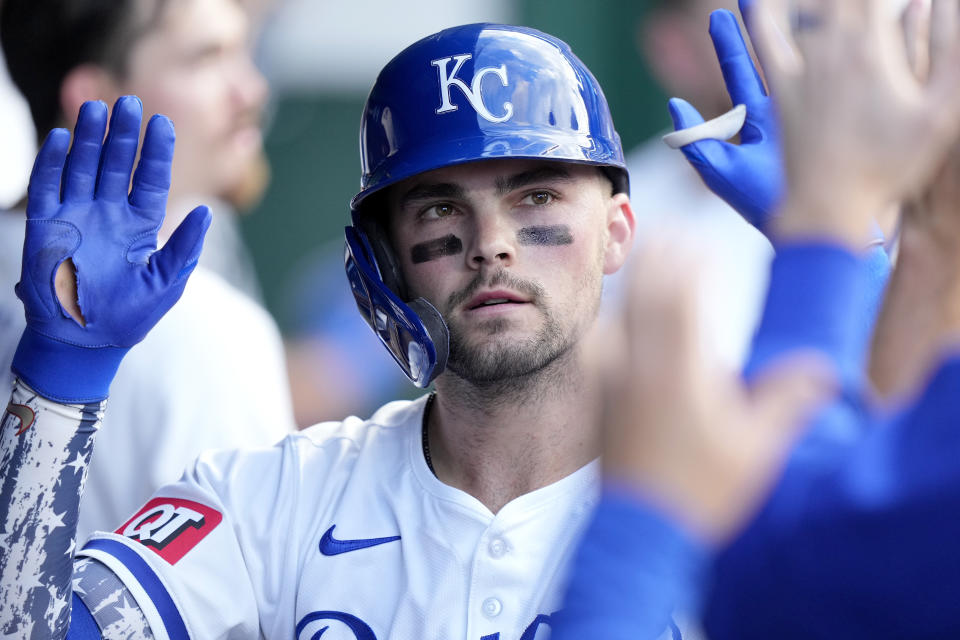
(195,67)
(512,253)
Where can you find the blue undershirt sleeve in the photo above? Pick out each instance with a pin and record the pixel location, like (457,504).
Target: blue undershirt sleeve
(631,571)
(858,545)
(824,299)
(821,297)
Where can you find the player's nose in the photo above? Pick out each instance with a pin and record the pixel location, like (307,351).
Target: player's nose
(493,242)
(249,86)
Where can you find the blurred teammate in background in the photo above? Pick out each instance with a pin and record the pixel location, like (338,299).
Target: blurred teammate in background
(212,374)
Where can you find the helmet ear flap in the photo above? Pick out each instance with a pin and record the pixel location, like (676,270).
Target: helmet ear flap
(415,334)
(372,221)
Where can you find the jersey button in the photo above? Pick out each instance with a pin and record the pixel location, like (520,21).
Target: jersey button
(492,607)
(497,547)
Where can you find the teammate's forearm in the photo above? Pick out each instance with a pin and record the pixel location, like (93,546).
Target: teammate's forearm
(45,448)
(816,301)
(633,569)
(829,521)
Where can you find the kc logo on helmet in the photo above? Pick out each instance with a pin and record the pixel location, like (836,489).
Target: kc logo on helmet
(472,92)
(171,527)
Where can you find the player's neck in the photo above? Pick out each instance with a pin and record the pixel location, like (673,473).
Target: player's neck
(497,446)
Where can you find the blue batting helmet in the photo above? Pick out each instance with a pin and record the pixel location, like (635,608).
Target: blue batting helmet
(468,93)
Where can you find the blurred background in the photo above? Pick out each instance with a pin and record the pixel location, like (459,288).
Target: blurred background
(320,59)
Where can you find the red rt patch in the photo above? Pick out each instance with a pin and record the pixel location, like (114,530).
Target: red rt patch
(171,527)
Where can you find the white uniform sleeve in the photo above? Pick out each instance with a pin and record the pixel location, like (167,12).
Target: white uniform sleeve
(206,556)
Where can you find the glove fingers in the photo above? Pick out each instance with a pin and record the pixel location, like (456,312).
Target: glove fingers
(741,77)
(120,150)
(80,171)
(151,182)
(176,260)
(684,114)
(43,192)
(707,157)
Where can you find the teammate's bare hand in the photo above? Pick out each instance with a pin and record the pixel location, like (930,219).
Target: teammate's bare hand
(934,214)
(860,130)
(690,439)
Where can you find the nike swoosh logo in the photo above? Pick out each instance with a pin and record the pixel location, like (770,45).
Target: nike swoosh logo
(24,413)
(330,546)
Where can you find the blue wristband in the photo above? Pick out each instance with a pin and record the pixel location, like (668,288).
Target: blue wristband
(65,372)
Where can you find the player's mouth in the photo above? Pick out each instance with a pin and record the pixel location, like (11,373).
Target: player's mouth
(496,301)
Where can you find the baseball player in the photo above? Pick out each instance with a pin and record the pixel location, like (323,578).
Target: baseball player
(493,201)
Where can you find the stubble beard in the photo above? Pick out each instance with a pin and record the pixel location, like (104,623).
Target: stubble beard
(492,357)
(496,359)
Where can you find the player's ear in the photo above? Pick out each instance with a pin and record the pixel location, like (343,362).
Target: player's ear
(621,225)
(86,82)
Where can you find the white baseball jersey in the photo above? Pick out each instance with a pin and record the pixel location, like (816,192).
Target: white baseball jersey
(342,531)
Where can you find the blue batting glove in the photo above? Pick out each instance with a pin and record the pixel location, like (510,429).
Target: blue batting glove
(79,207)
(749,176)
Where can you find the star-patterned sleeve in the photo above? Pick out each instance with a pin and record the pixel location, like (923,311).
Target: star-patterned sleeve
(110,603)
(44,451)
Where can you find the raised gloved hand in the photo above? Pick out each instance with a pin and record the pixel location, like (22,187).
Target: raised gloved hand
(80,206)
(748,176)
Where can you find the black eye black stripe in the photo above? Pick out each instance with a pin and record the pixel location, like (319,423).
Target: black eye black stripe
(546,235)
(448,245)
